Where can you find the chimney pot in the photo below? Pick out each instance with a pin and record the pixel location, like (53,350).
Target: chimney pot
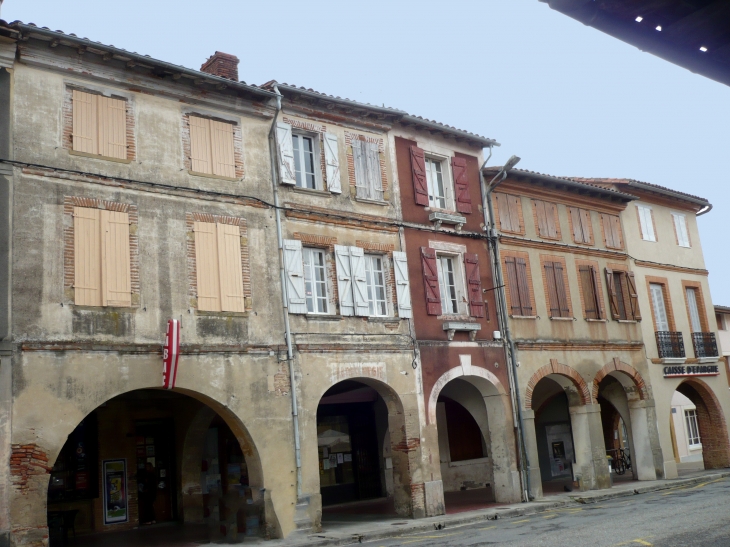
(222,64)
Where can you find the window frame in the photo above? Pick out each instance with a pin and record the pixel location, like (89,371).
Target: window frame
(457,259)
(654,305)
(589,227)
(69,125)
(646,223)
(446,178)
(691,422)
(371,286)
(310,251)
(316,157)
(607,219)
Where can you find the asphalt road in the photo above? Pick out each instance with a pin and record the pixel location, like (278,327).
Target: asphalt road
(693,516)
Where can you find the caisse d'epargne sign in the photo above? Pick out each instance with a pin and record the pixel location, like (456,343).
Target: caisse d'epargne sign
(675,371)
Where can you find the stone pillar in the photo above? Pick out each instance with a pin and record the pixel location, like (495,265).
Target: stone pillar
(643,458)
(591,467)
(506,478)
(528,420)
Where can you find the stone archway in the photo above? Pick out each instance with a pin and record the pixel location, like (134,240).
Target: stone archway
(558,371)
(627,375)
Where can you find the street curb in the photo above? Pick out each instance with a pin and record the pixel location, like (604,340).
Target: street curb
(444,521)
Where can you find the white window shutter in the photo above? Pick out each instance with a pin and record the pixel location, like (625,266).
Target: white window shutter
(358,154)
(359,281)
(286,153)
(294,268)
(332,161)
(344,280)
(402,285)
(373,162)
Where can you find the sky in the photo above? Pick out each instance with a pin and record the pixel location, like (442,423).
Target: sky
(566,98)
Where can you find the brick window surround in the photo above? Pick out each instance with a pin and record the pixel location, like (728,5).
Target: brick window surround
(349,137)
(319,131)
(328,243)
(686,284)
(69,264)
(190,219)
(664,282)
(237,145)
(385,249)
(530,285)
(503,226)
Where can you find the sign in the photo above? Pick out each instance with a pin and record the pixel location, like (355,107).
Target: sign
(677,371)
(170,354)
(115,491)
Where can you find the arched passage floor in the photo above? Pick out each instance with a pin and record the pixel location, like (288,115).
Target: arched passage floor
(150,458)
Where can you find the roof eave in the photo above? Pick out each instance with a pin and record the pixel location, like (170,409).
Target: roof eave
(458,133)
(671,193)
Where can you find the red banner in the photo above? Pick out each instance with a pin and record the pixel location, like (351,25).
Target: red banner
(170,354)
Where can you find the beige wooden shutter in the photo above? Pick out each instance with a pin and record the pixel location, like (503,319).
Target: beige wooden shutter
(542,221)
(514,212)
(206,265)
(116,281)
(585,217)
(200,145)
(503,212)
(575,217)
(85,128)
(221,137)
(616,229)
(229,268)
(112,128)
(87,257)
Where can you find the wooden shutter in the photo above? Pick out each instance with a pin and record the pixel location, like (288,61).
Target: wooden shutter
(523,286)
(229,268)
(221,145)
(511,267)
(599,297)
(359,281)
(402,284)
(589,289)
(585,217)
(294,269)
(418,173)
(286,156)
(503,210)
(85,125)
(112,127)
(116,281)
(431,281)
(562,290)
(612,231)
(207,266)
(474,285)
(553,222)
(616,231)
(612,297)
(332,163)
(547,219)
(200,159)
(372,162)
(514,213)
(461,185)
(361,172)
(552,290)
(542,228)
(633,296)
(87,257)
(344,280)
(575,217)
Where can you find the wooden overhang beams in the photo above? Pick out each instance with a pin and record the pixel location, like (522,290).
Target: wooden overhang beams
(694,35)
(567,185)
(24,32)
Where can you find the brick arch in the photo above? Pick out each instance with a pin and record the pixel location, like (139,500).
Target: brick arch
(627,370)
(561,370)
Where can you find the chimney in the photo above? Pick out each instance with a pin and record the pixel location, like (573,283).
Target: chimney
(222,64)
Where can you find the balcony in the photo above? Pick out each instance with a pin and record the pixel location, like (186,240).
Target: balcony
(705,346)
(670,346)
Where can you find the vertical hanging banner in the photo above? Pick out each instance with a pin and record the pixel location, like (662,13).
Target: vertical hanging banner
(170,354)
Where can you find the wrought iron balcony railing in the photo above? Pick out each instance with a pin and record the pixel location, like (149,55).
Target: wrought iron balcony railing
(670,344)
(705,344)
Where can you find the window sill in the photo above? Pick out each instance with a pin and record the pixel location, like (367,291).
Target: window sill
(673,360)
(451,327)
(562,319)
(212,176)
(378,319)
(311,191)
(597,320)
(321,317)
(439,218)
(695,446)
(707,360)
(523,316)
(455,317)
(373,201)
(129,309)
(475,461)
(206,313)
(98,156)
(627,321)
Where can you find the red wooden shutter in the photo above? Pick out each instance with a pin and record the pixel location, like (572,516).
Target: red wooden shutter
(552,290)
(633,296)
(474,282)
(523,285)
(612,298)
(461,184)
(431,281)
(418,171)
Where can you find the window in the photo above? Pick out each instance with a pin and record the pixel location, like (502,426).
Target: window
(694,310)
(720,321)
(368,179)
(582,227)
(519,288)
(99,125)
(680,229)
(101,258)
(315,280)
(375,279)
(658,302)
(590,287)
(646,222)
(449,284)
(548,224)
(612,231)
(510,213)
(304,161)
(218,267)
(622,295)
(437,193)
(693,431)
(211,147)
(555,283)
(445,270)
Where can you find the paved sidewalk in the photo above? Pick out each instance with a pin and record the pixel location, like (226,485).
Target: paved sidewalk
(346,533)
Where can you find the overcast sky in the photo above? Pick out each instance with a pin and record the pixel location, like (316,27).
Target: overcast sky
(568,99)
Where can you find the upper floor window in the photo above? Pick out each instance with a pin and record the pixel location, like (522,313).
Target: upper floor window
(582,227)
(612,231)
(452,281)
(304,160)
(548,223)
(680,229)
(622,295)
(720,320)
(212,149)
(519,286)
(375,279)
(659,306)
(301,146)
(509,210)
(451,285)
(368,176)
(646,223)
(99,125)
(591,292)
(556,282)
(696,315)
(437,188)
(315,280)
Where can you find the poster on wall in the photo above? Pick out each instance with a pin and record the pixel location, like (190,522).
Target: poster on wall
(115,491)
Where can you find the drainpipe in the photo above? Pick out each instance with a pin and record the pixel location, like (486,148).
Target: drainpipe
(273,154)
(501,298)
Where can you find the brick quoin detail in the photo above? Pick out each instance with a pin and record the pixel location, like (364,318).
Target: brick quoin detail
(711,421)
(617,366)
(563,370)
(27,460)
